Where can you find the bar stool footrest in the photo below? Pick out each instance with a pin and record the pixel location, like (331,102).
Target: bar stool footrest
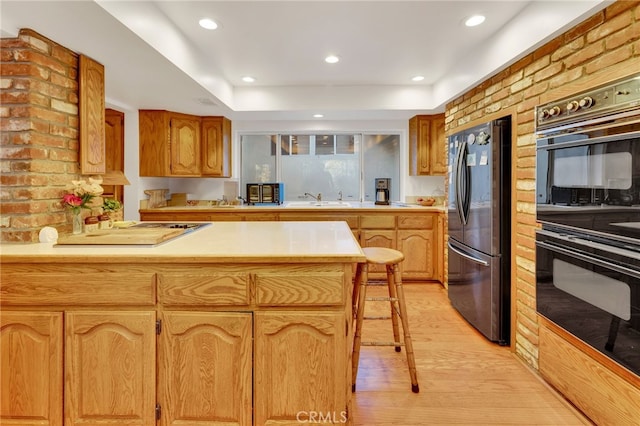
(396,344)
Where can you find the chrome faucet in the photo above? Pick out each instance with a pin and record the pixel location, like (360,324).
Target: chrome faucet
(339,195)
(318,197)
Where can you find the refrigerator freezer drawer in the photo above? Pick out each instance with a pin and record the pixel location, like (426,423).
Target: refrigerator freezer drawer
(479,290)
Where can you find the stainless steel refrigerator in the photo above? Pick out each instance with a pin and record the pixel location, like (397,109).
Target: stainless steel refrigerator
(480,227)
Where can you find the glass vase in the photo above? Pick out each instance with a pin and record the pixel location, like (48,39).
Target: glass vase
(77,223)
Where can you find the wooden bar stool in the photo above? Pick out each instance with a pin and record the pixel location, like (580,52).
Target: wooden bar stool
(391,259)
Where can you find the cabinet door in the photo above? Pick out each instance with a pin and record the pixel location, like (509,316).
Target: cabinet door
(205,368)
(438,146)
(31,357)
(153,151)
(427,145)
(110,362)
(418,248)
(300,366)
(216,146)
(114,142)
(91,116)
(185,145)
(378,238)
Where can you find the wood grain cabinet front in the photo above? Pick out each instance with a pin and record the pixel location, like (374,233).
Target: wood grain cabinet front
(175,144)
(205,361)
(203,287)
(31,351)
(427,145)
(290,384)
(110,373)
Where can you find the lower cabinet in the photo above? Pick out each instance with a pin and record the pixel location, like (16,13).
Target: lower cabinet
(108,367)
(297,356)
(31,350)
(205,372)
(217,344)
(110,371)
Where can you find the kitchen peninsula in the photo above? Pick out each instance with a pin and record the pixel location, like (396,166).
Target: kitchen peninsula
(235,323)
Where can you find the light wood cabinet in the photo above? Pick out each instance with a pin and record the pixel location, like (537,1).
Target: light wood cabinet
(417,239)
(237,343)
(110,368)
(205,369)
(184,145)
(114,144)
(175,144)
(283,369)
(31,350)
(427,145)
(216,147)
(91,116)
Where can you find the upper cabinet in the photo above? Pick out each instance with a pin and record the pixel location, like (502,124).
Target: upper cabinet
(91,102)
(174,144)
(427,145)
(216,146)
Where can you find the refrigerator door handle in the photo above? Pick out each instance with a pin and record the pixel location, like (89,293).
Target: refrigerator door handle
(459,186)
(467,256)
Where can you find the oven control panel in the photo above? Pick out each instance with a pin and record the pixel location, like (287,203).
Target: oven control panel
(614,98)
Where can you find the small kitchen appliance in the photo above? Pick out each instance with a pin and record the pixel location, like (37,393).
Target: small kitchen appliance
(265,193)
(383,186)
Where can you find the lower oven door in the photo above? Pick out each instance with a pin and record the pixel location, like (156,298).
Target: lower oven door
(591,292)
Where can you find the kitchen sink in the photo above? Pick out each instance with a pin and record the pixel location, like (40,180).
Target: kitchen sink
(316,204)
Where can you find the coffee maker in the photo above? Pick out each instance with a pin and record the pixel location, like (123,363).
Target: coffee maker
(383,186)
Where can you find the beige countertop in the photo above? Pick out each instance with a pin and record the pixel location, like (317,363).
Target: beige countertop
(219,242)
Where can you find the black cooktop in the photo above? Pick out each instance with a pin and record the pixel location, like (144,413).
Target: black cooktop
(187,226)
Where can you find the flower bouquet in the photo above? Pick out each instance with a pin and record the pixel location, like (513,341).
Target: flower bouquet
(80,196)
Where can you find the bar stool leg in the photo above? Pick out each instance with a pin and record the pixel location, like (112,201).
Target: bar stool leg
(405,327)
(394,306)
(362,294)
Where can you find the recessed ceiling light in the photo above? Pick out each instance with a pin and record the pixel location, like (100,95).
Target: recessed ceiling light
(248,79)
(474,20)
(208,24)
(418,78)
(318,115)
(331,59)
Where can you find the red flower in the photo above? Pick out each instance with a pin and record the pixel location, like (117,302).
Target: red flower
(72,200)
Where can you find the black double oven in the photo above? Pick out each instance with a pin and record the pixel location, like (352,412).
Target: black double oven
(588,202)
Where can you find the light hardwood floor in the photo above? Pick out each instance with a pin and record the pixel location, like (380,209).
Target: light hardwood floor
(464,379)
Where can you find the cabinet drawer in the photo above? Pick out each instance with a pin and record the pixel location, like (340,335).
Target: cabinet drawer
(77,287)
(416,221)
(352,220)
(279,289)
(377,222)
(203,288)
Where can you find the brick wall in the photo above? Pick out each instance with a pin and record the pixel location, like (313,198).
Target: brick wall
(39,134)
(604,47)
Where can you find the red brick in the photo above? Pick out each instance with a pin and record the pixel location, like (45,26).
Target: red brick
(589,52)
(9,69)
(609,27)
(583,27)
(609,59)
(23,153)
(65,56)
(44,114)
(619,7)
(624,36)
(30,179)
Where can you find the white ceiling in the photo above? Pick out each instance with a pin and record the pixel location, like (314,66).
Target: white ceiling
(156,56)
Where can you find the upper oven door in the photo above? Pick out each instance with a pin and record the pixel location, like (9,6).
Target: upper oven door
(590,179)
